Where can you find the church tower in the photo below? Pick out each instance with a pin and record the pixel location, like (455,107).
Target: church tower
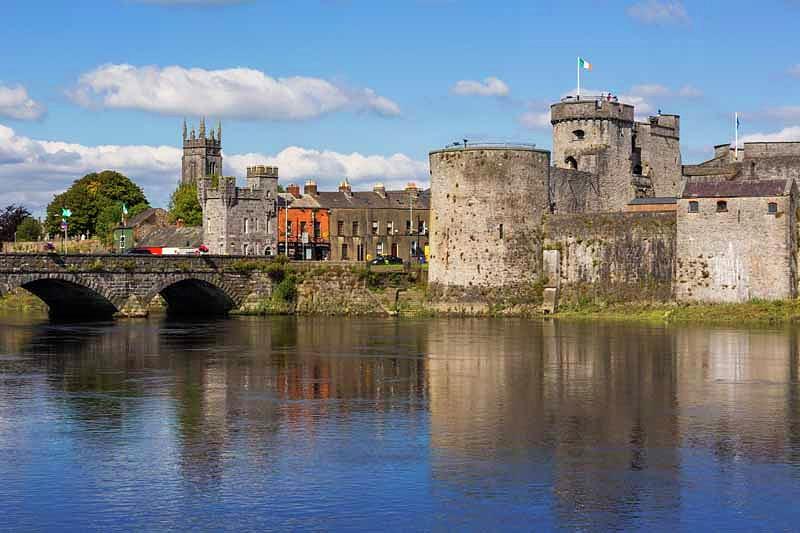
(202,156)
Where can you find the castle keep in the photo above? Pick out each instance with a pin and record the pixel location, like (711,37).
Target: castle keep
(614,216)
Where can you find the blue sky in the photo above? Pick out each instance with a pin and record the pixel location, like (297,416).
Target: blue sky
(327,88)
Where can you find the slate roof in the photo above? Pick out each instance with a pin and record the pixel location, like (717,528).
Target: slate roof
(174,237)
(358,200)
(655,200)
(734,188)
(144,215)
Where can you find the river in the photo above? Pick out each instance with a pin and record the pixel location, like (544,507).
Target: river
(382,424)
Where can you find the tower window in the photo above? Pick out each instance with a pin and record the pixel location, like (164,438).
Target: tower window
(694,207)
(637,170)
(722,206)
(772,208)
(571,162)
(578,135)
(500,230)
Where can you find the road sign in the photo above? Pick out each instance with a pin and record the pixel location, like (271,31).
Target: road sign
(63,225)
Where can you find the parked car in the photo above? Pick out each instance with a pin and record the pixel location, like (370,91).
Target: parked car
(386,260)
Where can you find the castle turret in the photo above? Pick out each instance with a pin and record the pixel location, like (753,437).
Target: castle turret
(259,176)
(595,135)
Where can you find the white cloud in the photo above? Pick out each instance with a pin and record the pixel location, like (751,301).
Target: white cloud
(15,103)
(785,113)
(32,171)
(652,89)
(234,93)
(490,86)
(659,12)
(791,133)
(690,91)
(535,120)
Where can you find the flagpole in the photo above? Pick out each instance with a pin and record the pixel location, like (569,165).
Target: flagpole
(578,64)
(736,135)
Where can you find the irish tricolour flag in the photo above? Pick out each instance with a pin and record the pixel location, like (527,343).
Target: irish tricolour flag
(585,65)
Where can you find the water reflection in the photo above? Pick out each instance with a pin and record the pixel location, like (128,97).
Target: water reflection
(345,424)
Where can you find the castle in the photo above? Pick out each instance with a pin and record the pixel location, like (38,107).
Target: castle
(236,220)
(507,219)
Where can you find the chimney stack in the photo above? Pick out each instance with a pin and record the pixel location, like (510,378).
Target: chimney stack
(310,188)
(293,189)
(380,190)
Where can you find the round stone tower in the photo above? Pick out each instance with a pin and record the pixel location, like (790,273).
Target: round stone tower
(595,135)
(487,204)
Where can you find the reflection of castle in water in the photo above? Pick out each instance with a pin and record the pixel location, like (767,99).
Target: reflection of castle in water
(604,421)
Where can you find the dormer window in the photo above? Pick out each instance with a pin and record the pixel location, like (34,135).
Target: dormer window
(578,135)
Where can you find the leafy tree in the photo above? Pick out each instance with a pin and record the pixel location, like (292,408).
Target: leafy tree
(29,230)
(111,216)
(184,205)
(90,196)
(10,219)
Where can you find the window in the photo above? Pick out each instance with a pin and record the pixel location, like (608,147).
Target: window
(421,227)
(722,206)
(316,230)
(340,227)
(772,208)
(637,170)
(413,248)
(289,228)
(379,249)
(694,207)
(374,227)
(258,225)
(571,162)
(501,231)
(355,227)
(344,252)
(302,227)
(246,226)
(578,135)
(408,227)
(390,228)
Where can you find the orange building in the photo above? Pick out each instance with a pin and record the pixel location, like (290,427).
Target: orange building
(308,227)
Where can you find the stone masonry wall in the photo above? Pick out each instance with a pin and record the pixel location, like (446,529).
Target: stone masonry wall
(736,255)
(613,257)
(660,157)
(486,208)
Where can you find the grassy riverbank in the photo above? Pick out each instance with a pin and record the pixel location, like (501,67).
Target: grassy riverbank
(755,312)
(22,301)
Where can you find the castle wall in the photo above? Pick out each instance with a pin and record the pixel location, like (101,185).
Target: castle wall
(612,257)
(486,209)
(604,148)
(572,191)
(240,221)
(659,153)
(736,255)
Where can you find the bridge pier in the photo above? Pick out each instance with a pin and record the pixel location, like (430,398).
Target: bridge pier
(133,308)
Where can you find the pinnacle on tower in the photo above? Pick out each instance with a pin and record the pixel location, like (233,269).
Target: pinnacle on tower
(219,131)
(192,137)
(184,129)
(202,132)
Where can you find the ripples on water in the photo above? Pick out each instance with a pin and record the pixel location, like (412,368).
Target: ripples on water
(284,423)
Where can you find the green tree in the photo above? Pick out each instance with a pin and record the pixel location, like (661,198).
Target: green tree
(10,219)
(111,217)
(184,205)
(29,230)
(88,197)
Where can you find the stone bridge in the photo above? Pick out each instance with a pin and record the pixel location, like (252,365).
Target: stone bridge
(123,285)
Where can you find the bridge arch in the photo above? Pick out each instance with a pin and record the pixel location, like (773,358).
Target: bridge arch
(69,297)
(196,294)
